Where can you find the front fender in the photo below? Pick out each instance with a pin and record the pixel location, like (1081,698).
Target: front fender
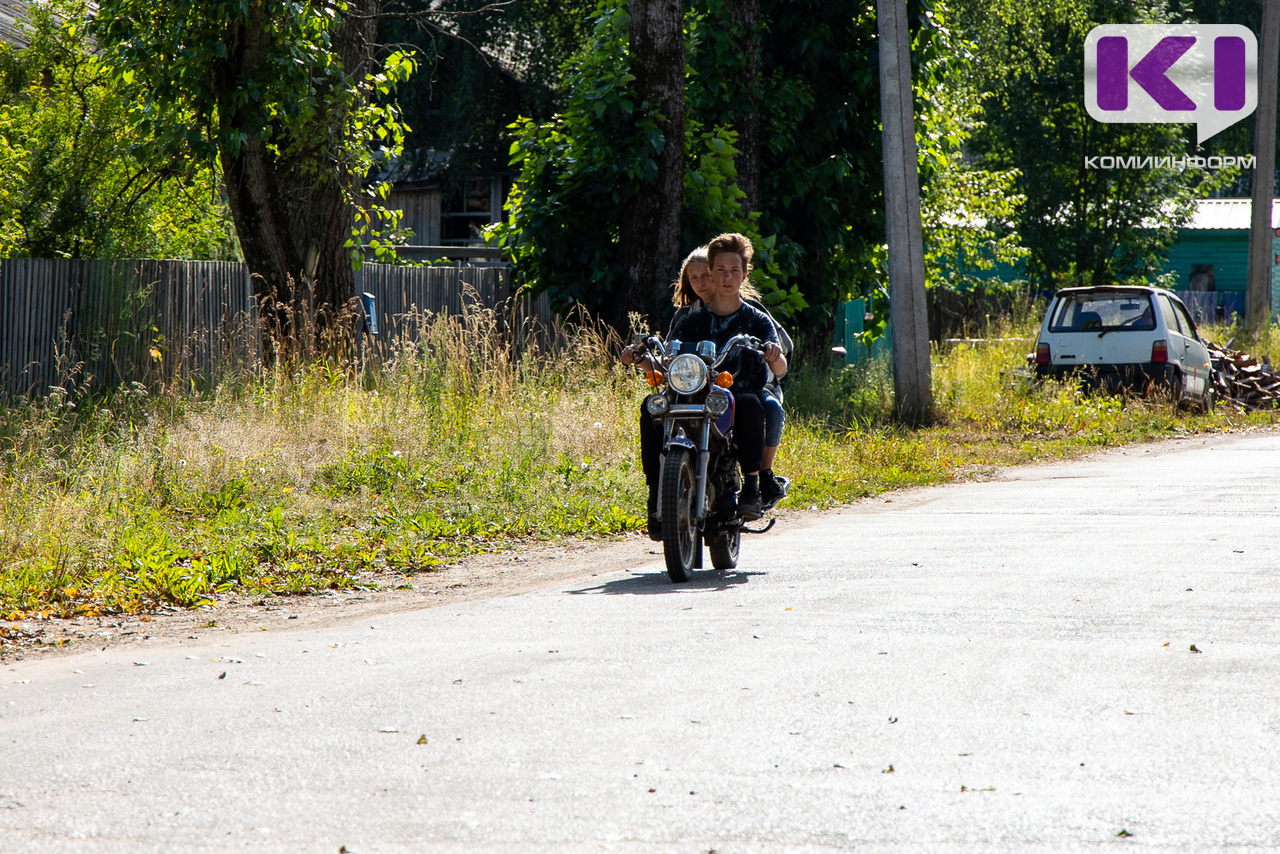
(681,441)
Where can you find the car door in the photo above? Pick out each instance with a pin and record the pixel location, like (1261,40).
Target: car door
(1175,335)
(1195,359)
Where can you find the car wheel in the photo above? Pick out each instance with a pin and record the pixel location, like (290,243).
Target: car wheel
(1177,390)
(1209,399)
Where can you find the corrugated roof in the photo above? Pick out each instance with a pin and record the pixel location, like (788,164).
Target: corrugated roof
(1227,215)
(12,14)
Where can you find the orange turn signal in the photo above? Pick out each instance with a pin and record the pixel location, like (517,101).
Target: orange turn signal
(655,378)
(724,379)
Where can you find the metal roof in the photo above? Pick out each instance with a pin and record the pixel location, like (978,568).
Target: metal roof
(12,14)
(1227,215)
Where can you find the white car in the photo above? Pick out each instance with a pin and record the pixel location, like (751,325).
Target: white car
(1125,336)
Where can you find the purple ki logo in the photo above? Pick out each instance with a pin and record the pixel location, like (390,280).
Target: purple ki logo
(1206,74)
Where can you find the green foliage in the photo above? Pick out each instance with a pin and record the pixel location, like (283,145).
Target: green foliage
(968,214)
(221,75)
(78,181)
(820,236)
(480,73)
(578,170)
(1081,226)
(821,171)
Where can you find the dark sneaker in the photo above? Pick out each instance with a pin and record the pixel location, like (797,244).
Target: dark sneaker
(771,488)
(749,504)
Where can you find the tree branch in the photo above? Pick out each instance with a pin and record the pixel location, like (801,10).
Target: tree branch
(426,15)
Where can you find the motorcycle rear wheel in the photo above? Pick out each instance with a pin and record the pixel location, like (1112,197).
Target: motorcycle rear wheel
(679,534)
(724,548)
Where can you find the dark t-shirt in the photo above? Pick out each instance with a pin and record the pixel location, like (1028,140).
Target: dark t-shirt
(748,369)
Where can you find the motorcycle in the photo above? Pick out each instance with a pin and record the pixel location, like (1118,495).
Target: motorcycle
(699,482)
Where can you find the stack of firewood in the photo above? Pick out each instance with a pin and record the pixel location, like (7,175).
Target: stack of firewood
(1250,383)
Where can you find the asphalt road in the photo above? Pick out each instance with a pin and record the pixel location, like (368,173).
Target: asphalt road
(1001,666)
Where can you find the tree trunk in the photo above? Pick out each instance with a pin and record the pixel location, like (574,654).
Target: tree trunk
(650,230)
(293,214)
(745,15)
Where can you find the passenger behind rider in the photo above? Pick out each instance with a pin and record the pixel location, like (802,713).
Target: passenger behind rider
(693,290)
(724,316)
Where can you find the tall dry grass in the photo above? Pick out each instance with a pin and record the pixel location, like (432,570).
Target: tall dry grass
(320,474)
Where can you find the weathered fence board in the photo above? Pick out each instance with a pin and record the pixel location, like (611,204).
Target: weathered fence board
(110,322)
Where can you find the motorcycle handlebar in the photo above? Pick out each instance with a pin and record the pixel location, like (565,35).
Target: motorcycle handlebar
(654,344)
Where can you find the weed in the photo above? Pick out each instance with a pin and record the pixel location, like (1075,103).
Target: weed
(302,478)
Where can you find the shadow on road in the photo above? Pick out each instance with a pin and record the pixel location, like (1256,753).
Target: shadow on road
(657,582)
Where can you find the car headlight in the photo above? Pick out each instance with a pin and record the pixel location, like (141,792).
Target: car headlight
(687,373)
(717,403)
(656,404)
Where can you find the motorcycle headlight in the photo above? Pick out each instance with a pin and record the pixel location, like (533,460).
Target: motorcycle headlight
(717,403)
(687,374)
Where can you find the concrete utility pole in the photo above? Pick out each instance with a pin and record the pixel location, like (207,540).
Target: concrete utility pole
(1258,291)
(913,393)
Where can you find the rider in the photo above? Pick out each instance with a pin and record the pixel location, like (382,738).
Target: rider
(724,316)
(692,291)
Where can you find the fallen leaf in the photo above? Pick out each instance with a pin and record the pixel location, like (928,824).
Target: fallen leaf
(1127,712)
(1124,833)
(142,664)
(837,765)
(1166,643)
(422,739)
(893,720)
(223,675)
(889,770)
(1194,649)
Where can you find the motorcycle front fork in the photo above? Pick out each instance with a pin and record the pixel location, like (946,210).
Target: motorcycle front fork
(704,460)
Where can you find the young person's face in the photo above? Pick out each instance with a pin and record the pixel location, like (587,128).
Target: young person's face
(728,272)
(700,279)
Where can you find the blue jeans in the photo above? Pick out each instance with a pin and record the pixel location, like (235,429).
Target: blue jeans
(773,418)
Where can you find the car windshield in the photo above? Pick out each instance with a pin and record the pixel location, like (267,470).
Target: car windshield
(1103,312)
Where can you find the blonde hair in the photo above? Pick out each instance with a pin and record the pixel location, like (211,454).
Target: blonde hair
(684,293)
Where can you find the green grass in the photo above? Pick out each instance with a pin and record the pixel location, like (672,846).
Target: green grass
(296,481)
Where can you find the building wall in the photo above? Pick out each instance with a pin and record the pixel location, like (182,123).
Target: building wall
(421,207)
(1227,251)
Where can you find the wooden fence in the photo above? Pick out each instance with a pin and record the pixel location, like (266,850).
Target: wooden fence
(104,323)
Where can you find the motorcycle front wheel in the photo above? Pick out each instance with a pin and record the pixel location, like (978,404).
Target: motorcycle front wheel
(679,533)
